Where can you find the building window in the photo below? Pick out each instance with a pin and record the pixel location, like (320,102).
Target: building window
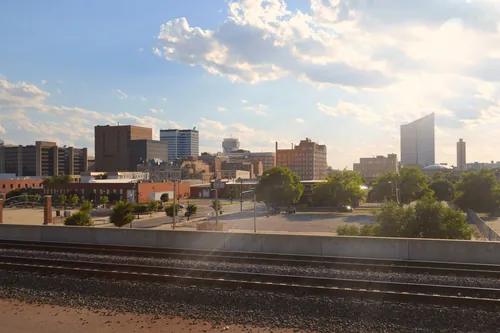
(18,185)
(3,185)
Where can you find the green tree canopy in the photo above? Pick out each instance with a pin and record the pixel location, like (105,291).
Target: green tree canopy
(169,210)
(122,213)
(216,205)
(80,218)
(444,190)
(279,186)
(61,198)
(86,206)
(342,188)
(104,200)
(476,190)
(164,197)
(73,200)
(409,184)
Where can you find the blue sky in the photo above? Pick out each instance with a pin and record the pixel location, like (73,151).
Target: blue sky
(343,73)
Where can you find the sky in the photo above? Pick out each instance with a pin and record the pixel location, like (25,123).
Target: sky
(344,73)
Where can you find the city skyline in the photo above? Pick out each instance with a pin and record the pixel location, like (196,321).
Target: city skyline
(165,64)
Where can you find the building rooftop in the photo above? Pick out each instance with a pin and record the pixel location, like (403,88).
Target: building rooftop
(437,167)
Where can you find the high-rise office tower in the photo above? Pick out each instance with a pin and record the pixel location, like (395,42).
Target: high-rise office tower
(417,142)
(230,144)
(461,157)
(181,142)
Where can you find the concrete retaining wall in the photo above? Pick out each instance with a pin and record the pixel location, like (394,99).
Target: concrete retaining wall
(361,247)
(485,229)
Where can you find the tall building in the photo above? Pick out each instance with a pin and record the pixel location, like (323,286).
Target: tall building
(417,142)
(113,146)
(371,167)
(43,159)
(461,158)
(230,144)
(181,143)
(308,159)
(142,151)
(268,159)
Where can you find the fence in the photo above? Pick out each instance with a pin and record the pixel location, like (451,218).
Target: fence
(486,231)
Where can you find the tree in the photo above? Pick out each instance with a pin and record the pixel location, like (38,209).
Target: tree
(279,186)
(86,206)
(91,197)
(104,200)
(443,189)
(152,206)
(192,208)
(169,210)
(233,193)
(216,205)
(164,197)
(413,184)
(406,186)
(475,190)
(80,218)
(73,200)
(122,214)
(342,188)
(61,198)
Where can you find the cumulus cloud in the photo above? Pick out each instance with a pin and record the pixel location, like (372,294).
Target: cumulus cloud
(362,112)
(299,120)
(156,110)
(2,130)
(221,109)
(259,110)
(24,107)
(44,81)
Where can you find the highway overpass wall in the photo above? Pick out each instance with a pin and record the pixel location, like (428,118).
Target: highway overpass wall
(360,247)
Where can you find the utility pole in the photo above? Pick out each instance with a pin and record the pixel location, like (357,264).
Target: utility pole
(241,195)
(173,209)
(254,213)
(216,204)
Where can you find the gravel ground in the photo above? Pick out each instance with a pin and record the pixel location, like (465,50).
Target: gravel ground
(271,269)
(262,309)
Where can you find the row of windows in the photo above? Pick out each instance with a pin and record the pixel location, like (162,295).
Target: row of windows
(18,186)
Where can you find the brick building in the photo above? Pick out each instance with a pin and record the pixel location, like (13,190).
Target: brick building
(121,148)
(307,159)
(43,159)
(371,167)
(7,185)
(125,190)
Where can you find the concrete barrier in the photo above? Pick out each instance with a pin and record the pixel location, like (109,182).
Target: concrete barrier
(293,244)
(361,247)
(369,247)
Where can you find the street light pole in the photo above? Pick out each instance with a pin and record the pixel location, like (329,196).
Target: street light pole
(254,213)
(216,204)
(173,209)
(241,195)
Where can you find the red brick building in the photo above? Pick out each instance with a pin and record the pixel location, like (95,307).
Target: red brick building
(133,192)
(7,185)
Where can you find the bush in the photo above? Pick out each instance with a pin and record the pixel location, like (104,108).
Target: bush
(123,214)
(216,205)
(81,218)
(164,197)
(192,208)
(137,209)
(86,206)
(170,210)
(348,230)
(152,206)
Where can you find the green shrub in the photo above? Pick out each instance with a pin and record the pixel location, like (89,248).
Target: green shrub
(86,206)
(170,210)
(81,218)
(123,214)
(348,230)
(192,208)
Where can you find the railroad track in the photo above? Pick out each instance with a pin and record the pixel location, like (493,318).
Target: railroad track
(304,285)
(358,264)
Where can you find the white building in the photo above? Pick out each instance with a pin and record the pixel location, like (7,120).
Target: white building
(417,142)
(181,143)
(230,144)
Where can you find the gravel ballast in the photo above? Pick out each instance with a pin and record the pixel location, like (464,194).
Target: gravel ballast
(262,309)
(269,269)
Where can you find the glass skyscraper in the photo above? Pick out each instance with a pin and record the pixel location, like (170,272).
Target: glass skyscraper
(417,142)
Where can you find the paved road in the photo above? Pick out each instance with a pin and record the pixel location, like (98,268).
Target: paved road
(204,210)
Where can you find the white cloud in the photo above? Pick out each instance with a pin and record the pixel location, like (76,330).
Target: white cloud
(141,49)
(143,98)
(259,110)
(244,101)
(121,94)
(299,120)
(24,108)
(2,130)
(163,98)
(156,110)
(362,112)
(221,109)
(211,124)
(44,81)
